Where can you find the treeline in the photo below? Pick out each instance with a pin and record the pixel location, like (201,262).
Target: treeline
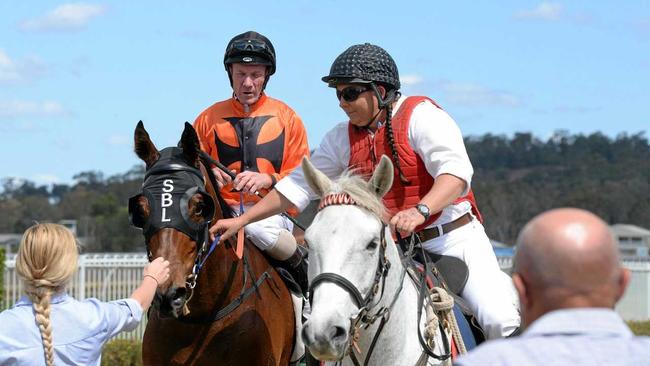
(515,178)
(98,204)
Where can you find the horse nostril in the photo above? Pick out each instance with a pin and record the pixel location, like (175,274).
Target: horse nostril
(179,293)
(338,333)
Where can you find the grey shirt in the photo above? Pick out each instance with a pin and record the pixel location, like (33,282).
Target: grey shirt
(586,336)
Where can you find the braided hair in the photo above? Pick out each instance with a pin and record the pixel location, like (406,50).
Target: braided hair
(46,260)
(388,105)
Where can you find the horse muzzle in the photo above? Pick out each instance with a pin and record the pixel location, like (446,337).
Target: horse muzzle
(326,342)
(172,301)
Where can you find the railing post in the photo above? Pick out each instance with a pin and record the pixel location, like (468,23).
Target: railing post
(81,284)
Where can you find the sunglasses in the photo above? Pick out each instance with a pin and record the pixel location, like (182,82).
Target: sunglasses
(351,93)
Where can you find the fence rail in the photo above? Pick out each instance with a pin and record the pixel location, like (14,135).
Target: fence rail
(112,276)
(105,276)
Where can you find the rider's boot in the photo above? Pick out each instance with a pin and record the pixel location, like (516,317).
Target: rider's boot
(291,257)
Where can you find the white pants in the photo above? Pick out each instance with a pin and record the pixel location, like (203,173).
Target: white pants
(264,233)
(489,292)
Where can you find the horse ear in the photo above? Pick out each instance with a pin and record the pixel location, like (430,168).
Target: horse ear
(190,144)
(143,147)
(318,182)
(382,178)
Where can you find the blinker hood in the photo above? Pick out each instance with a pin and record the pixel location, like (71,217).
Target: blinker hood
(168,187)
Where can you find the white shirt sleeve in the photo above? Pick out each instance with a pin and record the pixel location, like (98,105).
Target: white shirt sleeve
(331,157)
(436,138)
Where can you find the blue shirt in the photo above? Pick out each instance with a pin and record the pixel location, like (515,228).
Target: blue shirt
(79,330)
(586,336)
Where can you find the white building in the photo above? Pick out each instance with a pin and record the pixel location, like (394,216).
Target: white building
(633,241)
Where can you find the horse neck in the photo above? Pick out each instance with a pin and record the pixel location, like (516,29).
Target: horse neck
(398,343)
(220,279)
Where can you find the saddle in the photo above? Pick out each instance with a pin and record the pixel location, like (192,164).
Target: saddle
(448,272)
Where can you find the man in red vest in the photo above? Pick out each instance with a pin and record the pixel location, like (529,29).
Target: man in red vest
(431,194)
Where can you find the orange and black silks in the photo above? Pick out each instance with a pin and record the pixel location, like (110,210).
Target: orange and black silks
(269,139)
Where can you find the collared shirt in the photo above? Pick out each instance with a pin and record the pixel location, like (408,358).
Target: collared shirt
(432,134)
(79,330)
(593,336)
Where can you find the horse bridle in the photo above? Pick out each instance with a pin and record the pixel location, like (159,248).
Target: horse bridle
(364,303)
(171,163)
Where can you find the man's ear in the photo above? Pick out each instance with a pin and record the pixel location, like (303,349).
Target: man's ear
(623,282)
(522,290)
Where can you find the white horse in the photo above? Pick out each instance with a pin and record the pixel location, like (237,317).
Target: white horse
(359,291)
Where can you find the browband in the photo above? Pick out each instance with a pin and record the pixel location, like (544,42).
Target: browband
(335,199)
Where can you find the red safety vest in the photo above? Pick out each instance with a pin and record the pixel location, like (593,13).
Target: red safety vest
(365,151)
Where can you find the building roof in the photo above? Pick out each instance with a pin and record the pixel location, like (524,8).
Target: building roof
(629,231)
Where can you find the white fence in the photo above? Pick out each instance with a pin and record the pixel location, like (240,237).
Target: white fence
(105,276)
(112,276)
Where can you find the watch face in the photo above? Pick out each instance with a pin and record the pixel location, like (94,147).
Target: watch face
(423,210)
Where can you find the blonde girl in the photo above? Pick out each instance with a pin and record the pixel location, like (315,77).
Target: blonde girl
(48,326)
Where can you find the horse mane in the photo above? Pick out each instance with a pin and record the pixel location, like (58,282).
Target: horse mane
(225,207)
(357,188)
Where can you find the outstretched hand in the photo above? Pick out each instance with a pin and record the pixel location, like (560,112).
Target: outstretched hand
(226,228)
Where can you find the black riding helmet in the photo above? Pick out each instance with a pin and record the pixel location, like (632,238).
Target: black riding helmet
(366,64)
(250,48)
(372,65)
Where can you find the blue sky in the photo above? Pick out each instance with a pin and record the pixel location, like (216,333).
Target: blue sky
(76,77)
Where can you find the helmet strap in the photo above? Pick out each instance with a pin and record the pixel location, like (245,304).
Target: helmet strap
(383,103)
(372,119)
(391,96)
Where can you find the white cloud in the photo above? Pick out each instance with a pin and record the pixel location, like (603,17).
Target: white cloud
(119,140)
(543,11)
(410,80)
(21,108)
(64,18)
(19,71)
(473,95)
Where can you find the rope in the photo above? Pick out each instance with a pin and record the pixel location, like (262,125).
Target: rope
(443,304)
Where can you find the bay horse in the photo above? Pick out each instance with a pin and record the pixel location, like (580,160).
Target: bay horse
(215,309)
(364,308)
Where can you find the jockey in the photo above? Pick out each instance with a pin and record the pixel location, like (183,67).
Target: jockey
(431,194)
(260,139)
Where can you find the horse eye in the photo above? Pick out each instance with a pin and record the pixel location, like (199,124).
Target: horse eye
(372,245)
(198,209)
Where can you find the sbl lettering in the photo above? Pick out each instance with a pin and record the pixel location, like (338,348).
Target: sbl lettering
(166,198)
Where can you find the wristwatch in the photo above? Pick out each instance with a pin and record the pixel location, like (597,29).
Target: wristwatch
(423,210)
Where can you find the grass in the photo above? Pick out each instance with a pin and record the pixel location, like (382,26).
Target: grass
(640,327)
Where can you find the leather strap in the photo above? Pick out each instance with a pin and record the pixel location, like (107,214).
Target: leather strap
(433,232)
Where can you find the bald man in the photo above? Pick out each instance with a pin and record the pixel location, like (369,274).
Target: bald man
(568,277)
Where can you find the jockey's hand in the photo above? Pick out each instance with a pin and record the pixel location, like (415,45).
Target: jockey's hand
(406,221)
(251,182)
(227,228)
(222,177)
